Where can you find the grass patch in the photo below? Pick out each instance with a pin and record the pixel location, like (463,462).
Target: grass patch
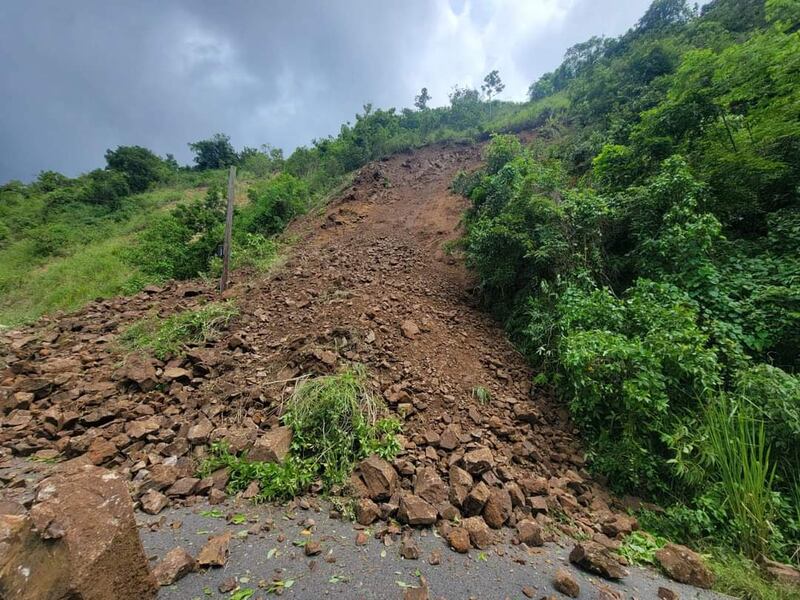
(167,337)
(741,577)
(482,395)
(336,421)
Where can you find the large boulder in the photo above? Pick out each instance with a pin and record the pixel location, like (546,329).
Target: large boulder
(79,541)
(415,511)
(685,566)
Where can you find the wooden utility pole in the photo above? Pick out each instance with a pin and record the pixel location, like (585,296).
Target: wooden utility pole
(226,246)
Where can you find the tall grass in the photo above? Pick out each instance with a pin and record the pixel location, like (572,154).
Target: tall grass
(740,453)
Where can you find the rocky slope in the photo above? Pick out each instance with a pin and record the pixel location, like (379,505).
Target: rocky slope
(367,281)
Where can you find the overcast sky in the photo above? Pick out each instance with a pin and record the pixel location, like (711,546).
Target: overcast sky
(80,76)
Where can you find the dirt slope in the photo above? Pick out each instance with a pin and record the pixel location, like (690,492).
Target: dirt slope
(361,275)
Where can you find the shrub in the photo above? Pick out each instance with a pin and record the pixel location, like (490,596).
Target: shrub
(273,204)
(140,166)
(336,420)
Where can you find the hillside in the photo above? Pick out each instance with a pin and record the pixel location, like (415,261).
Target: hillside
(580,312)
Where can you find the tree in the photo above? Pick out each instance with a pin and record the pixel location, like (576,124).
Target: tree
(492,84)
(214,153)
(140,166)
(421,101)
(663,14)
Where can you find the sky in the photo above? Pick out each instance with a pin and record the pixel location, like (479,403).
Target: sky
(82,76)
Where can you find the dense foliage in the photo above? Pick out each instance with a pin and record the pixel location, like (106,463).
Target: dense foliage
(644,251)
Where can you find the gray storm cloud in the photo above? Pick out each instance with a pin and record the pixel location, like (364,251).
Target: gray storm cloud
(80,77)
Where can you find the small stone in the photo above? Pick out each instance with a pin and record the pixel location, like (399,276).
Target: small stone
(478,461)
(410,329)
(429,486)
(227,585)
(408,548)
(361,538)
(435,558)
(479,533)
(685,566)
(458,539)
(366,511)
(415,511)
(216,551)
(528,591)
(530,533)
(476,499)
(153,502)
(595,558)
(667,594)
(498,508)
(176,564)
(566,583)
(313,548)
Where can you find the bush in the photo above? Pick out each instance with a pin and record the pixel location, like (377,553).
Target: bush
(336,421)
(141,167)
(273,204)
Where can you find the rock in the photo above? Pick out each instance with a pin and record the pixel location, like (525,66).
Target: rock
(530,533)
(417,593)
(498,508)
(450,438)
(478,461)
(667,594)
(479,533)
(409,329)
(415,511)
(185,486)
(458,539)
(175,565)
(379,476)
(620,525)
(30,567)
(216,496)
(435,558)
(141,428)
(79,541)
(685,566)
(408,548)
(780,572)
(460,485)
(529,591)
(272,446)
(429,486)
(216,551)
(153,502)
(227,585)
(367,511)
(476,499)
(526,412)
(595,558)
(139,369)
(173,373)
(313,548)
(100,451)
(199,432)
(565,582)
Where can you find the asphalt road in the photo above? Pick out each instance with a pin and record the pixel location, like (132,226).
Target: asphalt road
(260,559)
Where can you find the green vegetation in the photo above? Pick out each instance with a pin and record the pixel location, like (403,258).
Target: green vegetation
(643,252)
(336,421)
(167,337)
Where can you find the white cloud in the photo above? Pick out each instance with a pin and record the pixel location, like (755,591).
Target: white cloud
(469,40)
